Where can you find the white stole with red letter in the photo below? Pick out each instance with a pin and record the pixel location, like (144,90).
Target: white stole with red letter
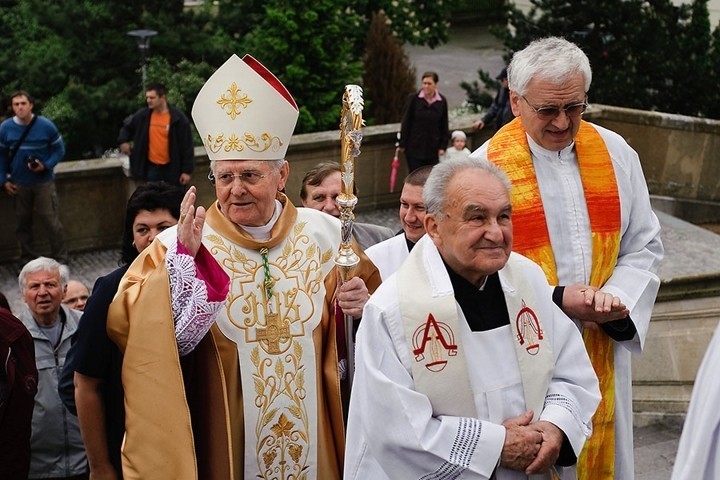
(431,319)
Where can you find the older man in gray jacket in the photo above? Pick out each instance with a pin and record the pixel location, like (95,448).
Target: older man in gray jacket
(56,447)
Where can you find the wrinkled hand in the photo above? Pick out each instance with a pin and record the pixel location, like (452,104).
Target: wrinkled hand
(10,188)
(552,438)
(352,297)
(591,305)
(191,222)
(522,442)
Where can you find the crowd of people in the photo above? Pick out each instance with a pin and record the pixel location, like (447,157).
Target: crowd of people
(491,335)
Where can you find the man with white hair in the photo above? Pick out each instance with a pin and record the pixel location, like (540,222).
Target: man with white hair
(582,212)
(56,447)
(465,366)
(230,366)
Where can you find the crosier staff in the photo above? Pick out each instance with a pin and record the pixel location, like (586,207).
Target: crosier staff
(351,123)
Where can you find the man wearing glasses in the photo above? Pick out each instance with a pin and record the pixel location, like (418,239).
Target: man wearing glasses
(581,210)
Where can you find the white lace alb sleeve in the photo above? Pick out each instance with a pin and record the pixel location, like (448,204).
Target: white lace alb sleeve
(193,313)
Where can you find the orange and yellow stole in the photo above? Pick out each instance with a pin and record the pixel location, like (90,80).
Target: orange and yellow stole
(509,150)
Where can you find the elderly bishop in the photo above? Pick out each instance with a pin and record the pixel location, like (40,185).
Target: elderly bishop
(230,361)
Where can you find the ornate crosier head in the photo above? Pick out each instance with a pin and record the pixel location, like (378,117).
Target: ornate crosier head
(351,123)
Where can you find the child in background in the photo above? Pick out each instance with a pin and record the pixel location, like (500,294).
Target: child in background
(458,150)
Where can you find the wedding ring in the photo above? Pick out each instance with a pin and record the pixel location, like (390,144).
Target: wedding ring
(182,217)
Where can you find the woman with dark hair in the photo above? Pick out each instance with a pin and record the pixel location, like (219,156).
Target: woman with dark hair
(150,202)
(424,133)
(95,360)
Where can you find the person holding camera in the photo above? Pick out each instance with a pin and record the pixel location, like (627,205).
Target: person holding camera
(30,147)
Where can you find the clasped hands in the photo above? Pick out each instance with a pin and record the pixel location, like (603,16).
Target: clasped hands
(530,447)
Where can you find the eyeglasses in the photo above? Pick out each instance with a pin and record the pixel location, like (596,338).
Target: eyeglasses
(226,179)
(551,112)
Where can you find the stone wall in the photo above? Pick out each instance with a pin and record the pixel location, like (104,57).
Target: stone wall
(684,319)
(680,157)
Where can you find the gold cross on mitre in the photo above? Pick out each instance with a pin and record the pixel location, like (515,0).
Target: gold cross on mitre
(243,112)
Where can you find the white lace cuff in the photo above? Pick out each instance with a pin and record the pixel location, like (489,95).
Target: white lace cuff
(193,313)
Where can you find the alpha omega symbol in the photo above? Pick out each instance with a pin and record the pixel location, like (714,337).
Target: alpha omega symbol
(528,329)
(438,339)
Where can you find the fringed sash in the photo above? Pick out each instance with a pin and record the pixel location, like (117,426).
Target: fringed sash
(509,150)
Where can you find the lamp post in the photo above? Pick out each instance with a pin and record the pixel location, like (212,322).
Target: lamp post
(142,38)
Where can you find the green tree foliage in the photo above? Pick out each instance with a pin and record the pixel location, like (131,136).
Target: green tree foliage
(713,78)
(478,96)
(388,76)
(76,58)
(49,50)
(306,44)
(644,54)
(417,22)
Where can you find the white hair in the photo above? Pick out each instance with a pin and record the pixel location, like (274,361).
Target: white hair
(44,264)
(435,191)
(552,59)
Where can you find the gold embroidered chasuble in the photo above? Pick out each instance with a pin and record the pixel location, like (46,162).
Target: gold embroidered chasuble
(265,380)
(509,149)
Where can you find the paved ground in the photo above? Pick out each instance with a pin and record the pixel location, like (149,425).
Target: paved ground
(471,48)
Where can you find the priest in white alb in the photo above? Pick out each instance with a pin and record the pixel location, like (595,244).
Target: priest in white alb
(465,368)
(583,213)
(389,254)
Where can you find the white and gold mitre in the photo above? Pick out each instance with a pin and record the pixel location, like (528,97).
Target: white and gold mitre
(243,112)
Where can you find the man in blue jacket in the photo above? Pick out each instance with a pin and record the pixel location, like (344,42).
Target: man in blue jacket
(30,147)
(162,147)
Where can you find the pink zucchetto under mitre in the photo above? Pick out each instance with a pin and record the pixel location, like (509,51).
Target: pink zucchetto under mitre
(243,112)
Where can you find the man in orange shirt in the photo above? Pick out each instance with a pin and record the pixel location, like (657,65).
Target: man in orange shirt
(162,147)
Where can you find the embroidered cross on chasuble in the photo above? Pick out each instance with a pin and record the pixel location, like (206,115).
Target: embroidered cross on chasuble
(509,150)
(275,332)
(274,311)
